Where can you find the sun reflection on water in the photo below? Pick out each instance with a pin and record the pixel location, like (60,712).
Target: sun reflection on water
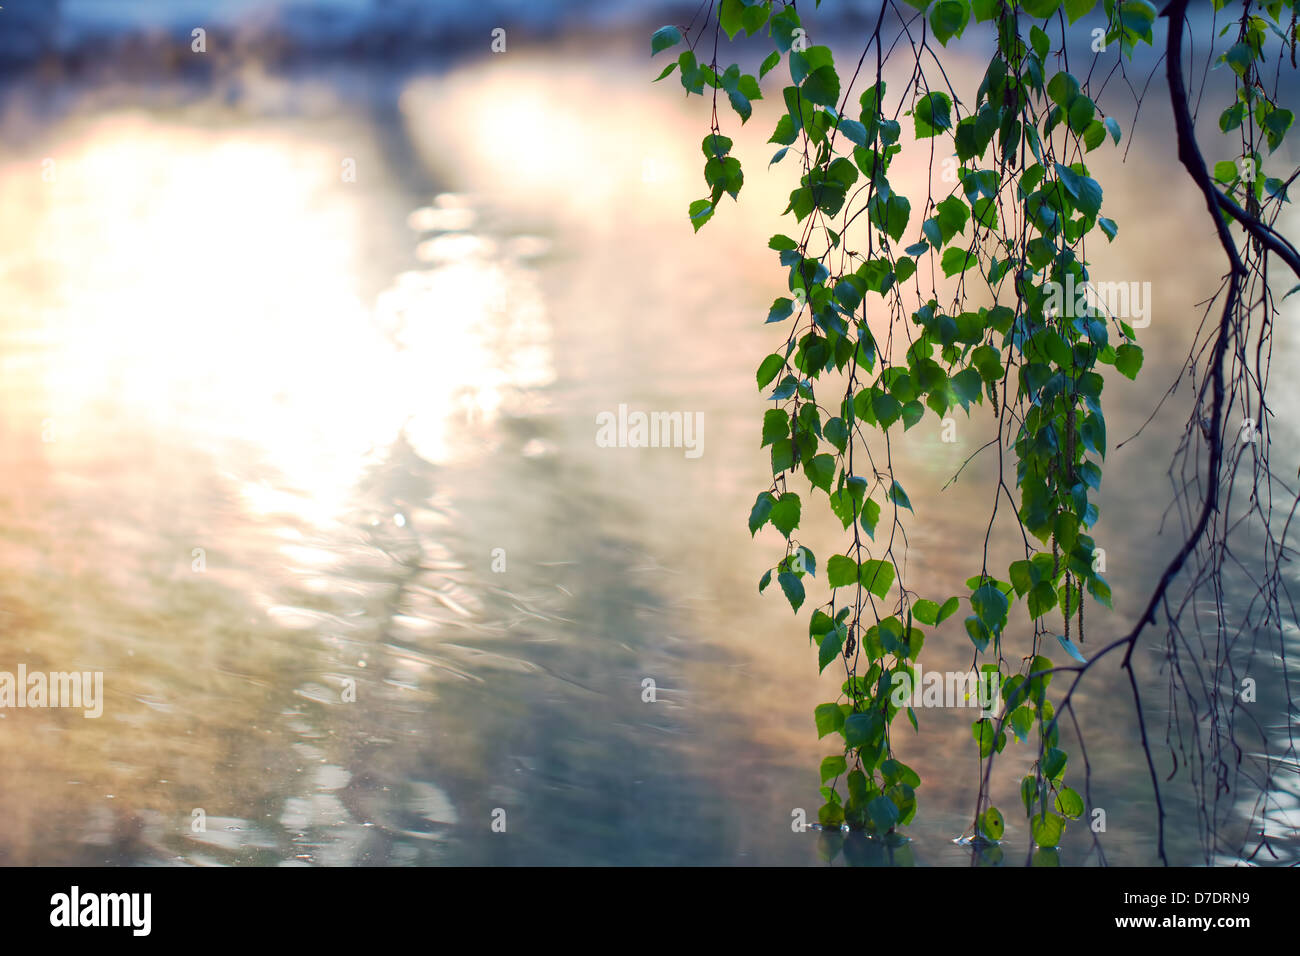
(212,283)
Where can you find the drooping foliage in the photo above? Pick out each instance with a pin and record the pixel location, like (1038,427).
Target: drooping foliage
(967,301)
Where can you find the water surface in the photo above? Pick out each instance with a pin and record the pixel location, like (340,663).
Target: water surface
(305,463)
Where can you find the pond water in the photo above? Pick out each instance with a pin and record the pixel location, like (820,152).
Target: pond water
(299,382)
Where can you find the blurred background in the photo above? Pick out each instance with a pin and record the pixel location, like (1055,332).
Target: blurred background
(302,342)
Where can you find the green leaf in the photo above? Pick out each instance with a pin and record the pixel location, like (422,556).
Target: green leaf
(841,571)
(663,38)
(830,815)
(785,513)
(895,771)
(701,211)
(870,517)
(837,433)
(822,86)
(1138,15)
(927,612)
(956,259)
(1276,123)
(932,115)
(1086,192)
(1094,135)
(842,171)
(1093,434)
(1063,88)
(1039,665)
(769,63)
(730,17)
(1231,118)
(1069,804)
(949,608)
(785,133)
(754,17)
(891,215)
(979,634)
(1054,761)
(853,131)
(933,233)
(1022,721)
(1128,359)
(886,408)
(768,369)
(724,174)
(968,385)
(1071,649)
(1040,9)
(776,425)
(1225,171)
(884,813)
(833,766)
(759,514)
(988,360)
(803,63)
(948,18)
(1023,576)
(990,604)
(1075,9)
(793,589)
(1041,599)
(1239,57)
(991,824)
(829,719)
(1047,829)
(1029,792)
(877,577)
(1112,126)
(740,103)
(716,145)
(821,471)
(782,309)
(831,646)
(1081,111)
(952,216)
(862,728)
(692,76)
(898,496)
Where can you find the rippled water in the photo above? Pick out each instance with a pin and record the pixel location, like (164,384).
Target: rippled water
(306,466)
